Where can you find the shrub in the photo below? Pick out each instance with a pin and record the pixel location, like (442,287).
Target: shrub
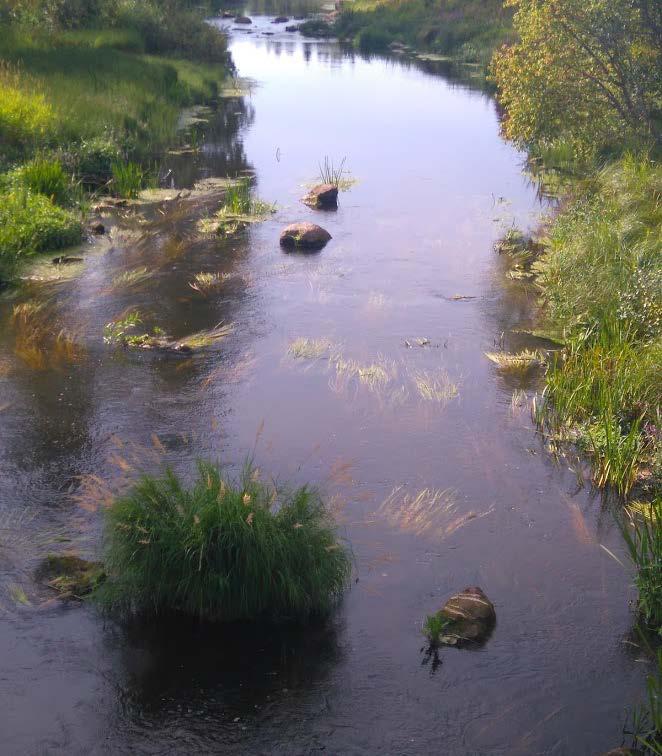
(221,551)
(31,223)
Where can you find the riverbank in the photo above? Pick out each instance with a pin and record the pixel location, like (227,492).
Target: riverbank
(469,34)
(85,111)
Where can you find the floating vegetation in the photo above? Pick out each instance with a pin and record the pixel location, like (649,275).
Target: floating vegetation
(124,331)
(239,209)
(309,349)
(207,283)
(435,386)
(374,376)
(39,341)
(430,511)
(69,575)
(521,362)
(130,278)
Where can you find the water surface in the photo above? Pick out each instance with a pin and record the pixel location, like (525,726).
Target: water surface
(427,453)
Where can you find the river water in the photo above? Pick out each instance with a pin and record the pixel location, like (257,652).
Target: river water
(425,450)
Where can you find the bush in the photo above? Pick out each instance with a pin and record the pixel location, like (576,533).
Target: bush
(31,223)
(220,551)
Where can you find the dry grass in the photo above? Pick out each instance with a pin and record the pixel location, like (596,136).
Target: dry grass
(521,362)
(430,512)
(435,386)
(310,349)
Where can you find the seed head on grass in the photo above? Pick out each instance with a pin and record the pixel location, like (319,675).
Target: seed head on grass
(222,550)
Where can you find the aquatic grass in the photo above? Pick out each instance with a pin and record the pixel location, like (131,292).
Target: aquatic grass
(130,278)
(128,178)
(208,337)
(434,626)
(431,512)
(434,386)
(222,550)
(238,210)
(647,719)
(122,329)
(520,362)
(309,349)
(643,537)
(330,173)
(207,283)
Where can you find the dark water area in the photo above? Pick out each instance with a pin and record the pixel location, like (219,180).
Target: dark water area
(424,449)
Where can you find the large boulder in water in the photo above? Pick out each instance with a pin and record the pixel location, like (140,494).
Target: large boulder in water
(242,20)
(304,236)
(322,197)
(467,617)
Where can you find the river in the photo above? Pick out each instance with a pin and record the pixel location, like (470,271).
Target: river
(425,450)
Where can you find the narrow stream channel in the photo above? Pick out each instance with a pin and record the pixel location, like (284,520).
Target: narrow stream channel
(427,452)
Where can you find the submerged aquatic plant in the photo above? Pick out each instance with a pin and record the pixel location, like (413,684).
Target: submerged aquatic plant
(206,283)
(520,362)
(130,278)
(309,349)
(222,549)
(239,209)
(435,386)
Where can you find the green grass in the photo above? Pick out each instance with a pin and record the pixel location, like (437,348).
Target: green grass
(434,626)
(466,29)
(31,223)
(222,550)
(643,537)
(601,278)
(85,109)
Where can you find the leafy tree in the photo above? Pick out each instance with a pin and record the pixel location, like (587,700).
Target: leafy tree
(585,71)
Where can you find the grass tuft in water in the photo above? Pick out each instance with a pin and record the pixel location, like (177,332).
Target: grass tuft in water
(207,283)
(222,550)
(520,362)
(309,349)
(239,209)
(435,386)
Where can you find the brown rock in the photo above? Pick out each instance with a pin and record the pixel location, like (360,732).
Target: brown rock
(304,236)
(322,197)
(469,617)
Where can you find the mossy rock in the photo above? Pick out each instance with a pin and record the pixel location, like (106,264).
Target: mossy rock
(468,617)
(70,575)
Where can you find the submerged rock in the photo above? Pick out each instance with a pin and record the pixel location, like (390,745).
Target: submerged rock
(467,617)
(70,575)
(322,197)
(66,260)
(304,236)
(242,20)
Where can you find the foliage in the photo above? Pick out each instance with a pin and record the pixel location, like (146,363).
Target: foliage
(585,72)
(222,550)
(643,536)
(442,26)
(31,223)
(600,279)
(127,179)
(41,176)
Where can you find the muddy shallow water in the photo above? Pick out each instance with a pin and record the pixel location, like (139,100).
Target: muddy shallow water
(425,450)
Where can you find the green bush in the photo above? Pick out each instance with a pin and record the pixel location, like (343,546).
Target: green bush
(221,551)
(31,223)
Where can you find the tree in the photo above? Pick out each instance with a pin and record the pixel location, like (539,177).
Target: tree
(586,71)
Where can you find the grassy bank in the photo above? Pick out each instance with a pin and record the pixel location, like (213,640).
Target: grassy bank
(469,30)
(84,102)
(601,283)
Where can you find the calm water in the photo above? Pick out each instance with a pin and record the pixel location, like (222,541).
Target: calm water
(431,459)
